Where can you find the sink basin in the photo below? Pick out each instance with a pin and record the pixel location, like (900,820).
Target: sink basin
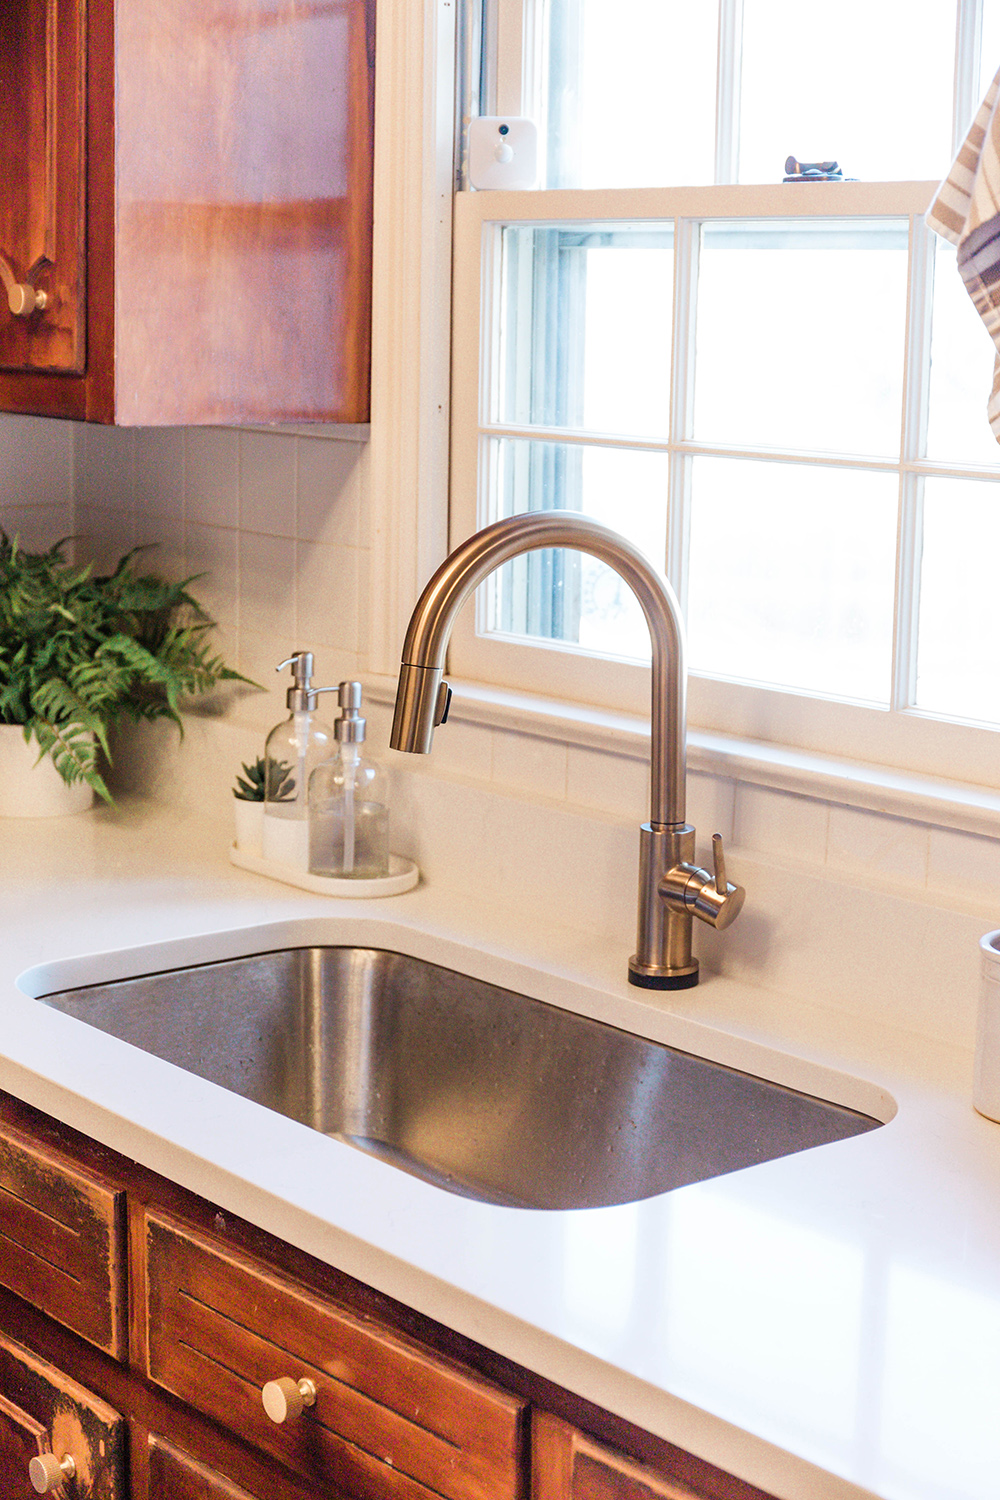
(471,1087)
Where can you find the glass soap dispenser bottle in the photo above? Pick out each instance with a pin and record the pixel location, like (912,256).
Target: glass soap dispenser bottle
(291,751)
(348,803)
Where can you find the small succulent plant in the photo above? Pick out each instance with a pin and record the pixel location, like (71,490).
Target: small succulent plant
(267,780)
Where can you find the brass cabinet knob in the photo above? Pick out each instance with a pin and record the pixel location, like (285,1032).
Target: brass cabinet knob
(48,1472)
(285,1398)
(22,298)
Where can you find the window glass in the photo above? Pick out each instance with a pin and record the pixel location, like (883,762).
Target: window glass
(958,656)
(800,334)
(868,84)
(989,55)
(586,328)
(791,576)
(630,90)
(962,357)
(567,596)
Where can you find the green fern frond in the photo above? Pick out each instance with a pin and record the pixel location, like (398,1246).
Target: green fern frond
(81,653)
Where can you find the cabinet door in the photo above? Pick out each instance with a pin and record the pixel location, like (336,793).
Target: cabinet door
(42,207)
(566,1464)
(62,1240)
(43,1410)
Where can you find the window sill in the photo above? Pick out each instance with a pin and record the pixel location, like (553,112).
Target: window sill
(876,788)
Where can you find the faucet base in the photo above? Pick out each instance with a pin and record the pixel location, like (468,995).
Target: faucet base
(684,979)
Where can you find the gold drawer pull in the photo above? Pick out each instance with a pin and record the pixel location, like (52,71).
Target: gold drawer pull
(23,300)
(284,1399)
(48,1472)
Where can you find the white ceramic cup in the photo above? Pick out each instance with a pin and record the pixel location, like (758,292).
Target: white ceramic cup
(986,1085)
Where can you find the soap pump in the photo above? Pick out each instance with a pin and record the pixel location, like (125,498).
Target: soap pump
(348,803)
(291,751)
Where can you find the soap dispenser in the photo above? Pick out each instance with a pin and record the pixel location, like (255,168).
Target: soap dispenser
(348,803)
(291,751)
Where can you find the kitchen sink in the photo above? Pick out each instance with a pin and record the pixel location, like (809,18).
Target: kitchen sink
(474,1088)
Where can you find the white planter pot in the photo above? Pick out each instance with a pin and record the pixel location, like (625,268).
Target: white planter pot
(249,818)
(30,790)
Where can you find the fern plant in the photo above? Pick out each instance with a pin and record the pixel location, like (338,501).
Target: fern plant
(81,653)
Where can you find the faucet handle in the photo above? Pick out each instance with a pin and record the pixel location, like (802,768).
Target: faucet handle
(718,903)
(719,862)
(713,898)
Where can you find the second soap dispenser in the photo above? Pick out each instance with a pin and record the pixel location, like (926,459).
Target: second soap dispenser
(348,803)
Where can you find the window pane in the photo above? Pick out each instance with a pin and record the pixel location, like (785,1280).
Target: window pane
(989,57)
(868,84)
(958,660)
(962,355)
(630,92)
(586,328)
(791,576)
(800,334)
(566,596)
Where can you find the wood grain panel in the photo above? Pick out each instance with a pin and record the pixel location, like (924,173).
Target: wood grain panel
(390,1419)
(59,1414)
(566,1464)
(42,172)
(174,1475)
(22,1438)
(61,1240)
(243,229)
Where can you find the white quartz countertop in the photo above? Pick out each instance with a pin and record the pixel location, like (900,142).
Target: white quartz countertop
(826,1325)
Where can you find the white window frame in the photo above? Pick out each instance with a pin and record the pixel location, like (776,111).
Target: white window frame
(898,736)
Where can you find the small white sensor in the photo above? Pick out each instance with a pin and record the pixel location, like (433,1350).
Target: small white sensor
(503,152)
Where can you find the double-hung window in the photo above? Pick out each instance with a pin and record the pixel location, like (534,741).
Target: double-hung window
(776,389)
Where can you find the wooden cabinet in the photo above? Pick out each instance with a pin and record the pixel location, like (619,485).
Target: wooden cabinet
(384,1416)
(62,1231)
(174,1475)
(52,1425)
(185,190)
(182,1315)
(567,1464)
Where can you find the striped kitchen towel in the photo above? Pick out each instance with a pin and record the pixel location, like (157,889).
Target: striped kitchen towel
(966,211)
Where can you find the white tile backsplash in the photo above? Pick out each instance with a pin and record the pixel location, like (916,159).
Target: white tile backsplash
(530,765)
(329,493)
(212,487)
(327,594)
(159,472)
(267,584)
(780,823)
(267,483)
(617,784)
(870,846)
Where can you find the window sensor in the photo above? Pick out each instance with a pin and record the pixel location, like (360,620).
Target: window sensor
(503,152)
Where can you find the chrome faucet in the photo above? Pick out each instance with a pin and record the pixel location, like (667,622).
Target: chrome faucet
(672,888)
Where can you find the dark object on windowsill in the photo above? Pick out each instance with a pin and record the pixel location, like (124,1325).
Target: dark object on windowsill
(814,171)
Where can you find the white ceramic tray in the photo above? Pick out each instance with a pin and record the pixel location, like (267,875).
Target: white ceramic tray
(403,876)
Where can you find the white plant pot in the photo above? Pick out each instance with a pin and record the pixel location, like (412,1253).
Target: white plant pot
(249,818)
(33,788)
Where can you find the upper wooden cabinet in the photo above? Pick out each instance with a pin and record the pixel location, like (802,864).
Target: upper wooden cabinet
(188,187)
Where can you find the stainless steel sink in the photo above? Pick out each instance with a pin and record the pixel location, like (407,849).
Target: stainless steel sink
(481,1091)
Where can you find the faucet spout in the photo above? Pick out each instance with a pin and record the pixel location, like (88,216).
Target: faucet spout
(670,886)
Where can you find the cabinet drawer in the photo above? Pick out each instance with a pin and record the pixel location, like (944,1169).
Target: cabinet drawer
(174,1475)
(61,1240)
(391,1421)
(42,1410)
